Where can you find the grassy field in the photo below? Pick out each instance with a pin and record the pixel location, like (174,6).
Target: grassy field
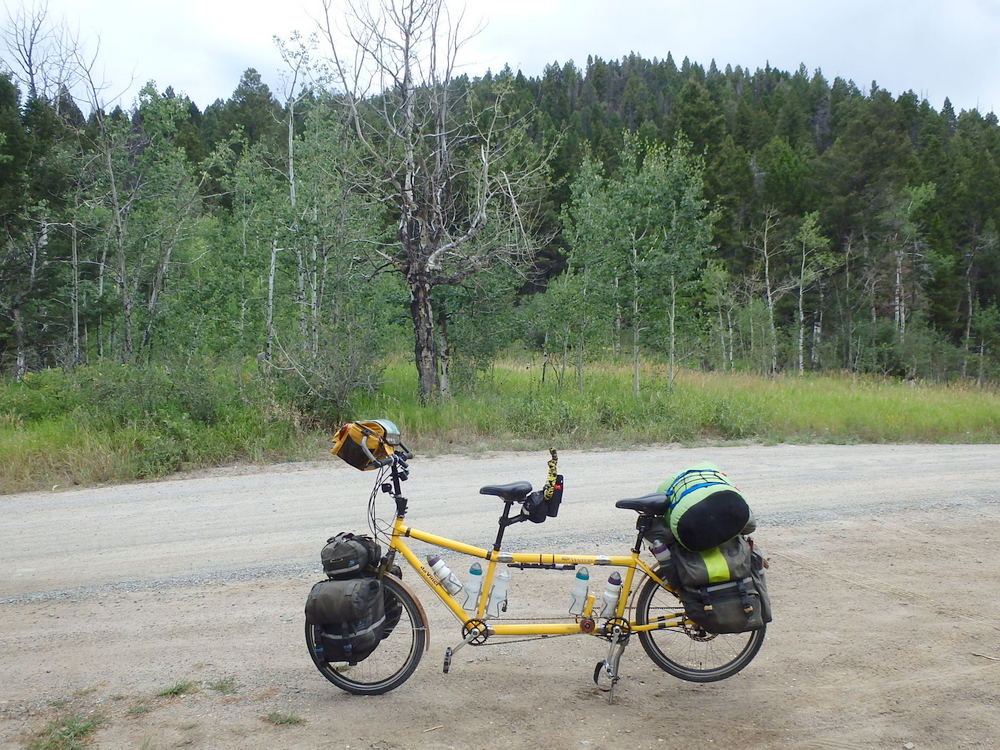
(109,424)
(511,408)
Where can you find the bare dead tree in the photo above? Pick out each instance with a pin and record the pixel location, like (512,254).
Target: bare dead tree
(446,167)
(36,57)
(295,54)
(42,52)
(28,37)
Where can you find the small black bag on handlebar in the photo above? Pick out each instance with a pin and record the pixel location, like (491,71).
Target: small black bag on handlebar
(555,498)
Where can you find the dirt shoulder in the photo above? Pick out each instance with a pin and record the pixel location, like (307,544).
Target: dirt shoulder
(883,581)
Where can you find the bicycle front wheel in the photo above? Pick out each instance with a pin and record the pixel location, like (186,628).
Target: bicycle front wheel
(393,660)
(687,651)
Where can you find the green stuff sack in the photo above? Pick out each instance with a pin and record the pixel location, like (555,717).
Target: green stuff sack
(704,508)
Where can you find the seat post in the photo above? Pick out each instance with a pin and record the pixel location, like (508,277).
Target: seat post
(505,521)
(642,525)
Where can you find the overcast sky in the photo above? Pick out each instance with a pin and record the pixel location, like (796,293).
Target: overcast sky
(935,48)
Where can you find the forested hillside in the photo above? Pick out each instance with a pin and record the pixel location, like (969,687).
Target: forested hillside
(715,218)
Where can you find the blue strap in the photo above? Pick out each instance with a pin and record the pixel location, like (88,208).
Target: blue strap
(679,477)
(697,487)
(670,490)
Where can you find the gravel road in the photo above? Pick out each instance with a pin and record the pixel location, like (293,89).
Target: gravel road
(884,575)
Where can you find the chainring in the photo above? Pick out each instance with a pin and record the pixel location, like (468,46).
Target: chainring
(481,629)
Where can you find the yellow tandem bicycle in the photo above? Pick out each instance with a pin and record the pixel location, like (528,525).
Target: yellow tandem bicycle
(647,607)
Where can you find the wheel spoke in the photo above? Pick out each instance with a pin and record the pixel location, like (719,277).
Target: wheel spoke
(686,651)
(392,662)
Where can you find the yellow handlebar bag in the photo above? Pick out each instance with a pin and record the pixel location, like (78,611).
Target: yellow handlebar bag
(380,436)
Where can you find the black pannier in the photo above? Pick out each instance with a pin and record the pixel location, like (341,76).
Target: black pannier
(347,555)
(350,614)
(730,607)
(723,589)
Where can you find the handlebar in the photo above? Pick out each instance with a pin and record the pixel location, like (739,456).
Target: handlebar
(402,453)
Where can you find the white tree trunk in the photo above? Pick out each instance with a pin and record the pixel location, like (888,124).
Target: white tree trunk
(801,317)
(673,333)
(269,310)
(75,295)
(899,296)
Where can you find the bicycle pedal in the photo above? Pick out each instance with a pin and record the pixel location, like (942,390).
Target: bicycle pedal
(447,659)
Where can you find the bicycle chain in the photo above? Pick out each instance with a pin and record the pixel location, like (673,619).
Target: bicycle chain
(604,632)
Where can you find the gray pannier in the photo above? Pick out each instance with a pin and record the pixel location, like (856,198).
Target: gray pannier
(350,614)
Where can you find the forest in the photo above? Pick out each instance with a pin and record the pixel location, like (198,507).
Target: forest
(705,217)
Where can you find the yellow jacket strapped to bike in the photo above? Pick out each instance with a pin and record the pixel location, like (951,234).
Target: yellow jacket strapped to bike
(379,436)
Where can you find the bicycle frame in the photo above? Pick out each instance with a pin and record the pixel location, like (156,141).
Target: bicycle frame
(633,612)
(632,563)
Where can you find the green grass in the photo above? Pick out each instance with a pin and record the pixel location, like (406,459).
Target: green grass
(107,424)
(67,733)
(513,409)
(180,688)
(226,686)
(139,709)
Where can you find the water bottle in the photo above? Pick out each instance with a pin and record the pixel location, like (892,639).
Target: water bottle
(474,586)
(578,594)
(498,594)
(444,575)
(612,590)
(661,551)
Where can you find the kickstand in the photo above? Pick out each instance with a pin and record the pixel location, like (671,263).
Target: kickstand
(609,667)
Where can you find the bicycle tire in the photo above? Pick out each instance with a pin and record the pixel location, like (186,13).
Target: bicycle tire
(690,654)
(393,660)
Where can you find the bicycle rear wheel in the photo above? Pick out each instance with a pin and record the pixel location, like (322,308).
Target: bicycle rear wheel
(392,662)
(689,652)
